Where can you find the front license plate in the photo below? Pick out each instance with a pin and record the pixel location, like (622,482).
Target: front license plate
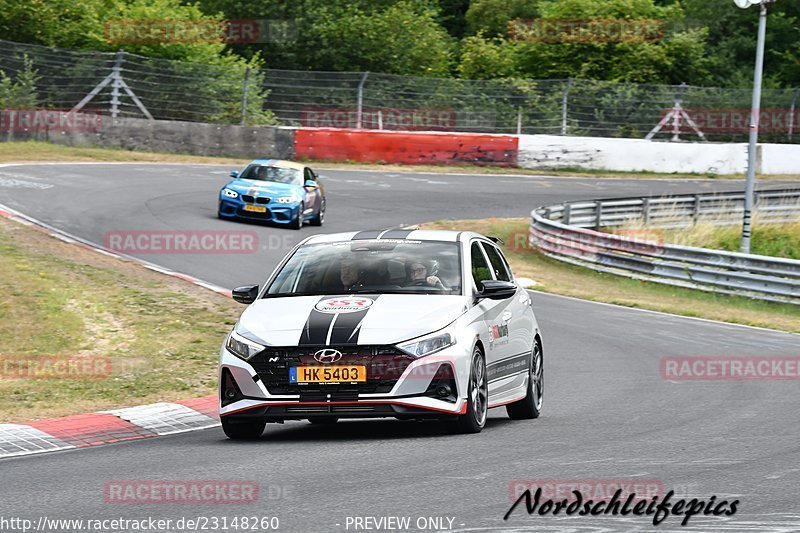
(255,208)
(327,374)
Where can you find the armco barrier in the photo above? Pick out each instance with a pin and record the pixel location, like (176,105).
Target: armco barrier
(562,232)
(405,147)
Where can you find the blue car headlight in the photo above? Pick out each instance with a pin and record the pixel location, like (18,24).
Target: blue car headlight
(287,199)
(230,193)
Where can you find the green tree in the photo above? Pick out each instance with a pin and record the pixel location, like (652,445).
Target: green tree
(402,39)
(674,57)
(486,59)
(491,17)
(732,42)
(20,91)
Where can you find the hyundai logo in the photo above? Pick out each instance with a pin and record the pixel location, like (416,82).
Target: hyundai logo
(328,355)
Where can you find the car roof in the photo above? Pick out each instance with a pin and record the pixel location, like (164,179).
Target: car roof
(396,233)
(280,163)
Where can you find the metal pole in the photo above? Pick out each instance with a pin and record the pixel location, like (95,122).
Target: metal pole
(792,112)
(519,121)
(360,102)
(564,101)
(755,111)
(116,78)
(244,94)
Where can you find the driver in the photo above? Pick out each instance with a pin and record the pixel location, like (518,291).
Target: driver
(350,274)
(418,275)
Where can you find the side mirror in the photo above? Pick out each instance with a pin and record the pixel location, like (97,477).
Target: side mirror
(234,173)
(497,290)
(310,185)
(246,294)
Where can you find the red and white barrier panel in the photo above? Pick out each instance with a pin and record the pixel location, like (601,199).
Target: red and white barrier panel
(369,146)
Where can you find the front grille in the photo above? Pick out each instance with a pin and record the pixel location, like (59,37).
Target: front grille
(385,365)
(250,199)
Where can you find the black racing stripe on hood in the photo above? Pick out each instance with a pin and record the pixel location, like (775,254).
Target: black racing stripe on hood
(315,331)
(368,234)
(396,234)
(345,330)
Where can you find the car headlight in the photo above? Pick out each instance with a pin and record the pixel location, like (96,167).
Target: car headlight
(230,193)
(287,199)
(241,347)
(429,344)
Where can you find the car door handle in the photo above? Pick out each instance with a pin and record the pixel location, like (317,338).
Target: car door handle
(507,316)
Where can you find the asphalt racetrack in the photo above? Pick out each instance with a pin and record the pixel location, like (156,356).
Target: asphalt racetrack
(608,413)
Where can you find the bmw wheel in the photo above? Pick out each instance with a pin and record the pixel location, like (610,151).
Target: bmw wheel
(297,223)
(531,405)
(248,430)
(477,397)
(320,217)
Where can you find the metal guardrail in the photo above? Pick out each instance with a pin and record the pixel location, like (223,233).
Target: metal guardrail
(569,232)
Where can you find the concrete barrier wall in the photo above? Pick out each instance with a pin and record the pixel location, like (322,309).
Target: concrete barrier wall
(406,147)
(169,136)
(329,144)
(593,153)
(780,159)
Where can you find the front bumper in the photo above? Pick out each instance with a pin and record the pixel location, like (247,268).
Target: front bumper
(414,393)
(275,212)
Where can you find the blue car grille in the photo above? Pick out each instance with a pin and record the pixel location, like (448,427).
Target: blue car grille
(255,200)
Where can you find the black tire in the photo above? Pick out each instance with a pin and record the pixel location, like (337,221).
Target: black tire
(320,217)
(477,398)
(243,430)
(297,223)
(531,405)
(323,420)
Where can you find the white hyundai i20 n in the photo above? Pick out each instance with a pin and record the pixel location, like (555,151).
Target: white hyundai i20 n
(399,323)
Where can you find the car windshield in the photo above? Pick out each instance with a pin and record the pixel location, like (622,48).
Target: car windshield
(270,173)
(380,266)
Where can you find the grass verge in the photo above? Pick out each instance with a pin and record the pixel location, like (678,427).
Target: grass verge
(777,240)
(561,278)
(160,335)
(33,151)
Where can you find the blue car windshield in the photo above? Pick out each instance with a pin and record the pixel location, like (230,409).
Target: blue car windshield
(292,176)
(381,266)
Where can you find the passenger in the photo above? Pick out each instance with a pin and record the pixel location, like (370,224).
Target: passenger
(418,276)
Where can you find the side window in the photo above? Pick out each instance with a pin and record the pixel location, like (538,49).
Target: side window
(309,175)
(480,269)
(498,265)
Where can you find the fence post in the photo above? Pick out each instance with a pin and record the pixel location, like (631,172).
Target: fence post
(564,101)
(116,82)
(519,121)
(598,214)
(244,94)
(567,214)
(645,211)
(696,211)
(792,111)
(360,99)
